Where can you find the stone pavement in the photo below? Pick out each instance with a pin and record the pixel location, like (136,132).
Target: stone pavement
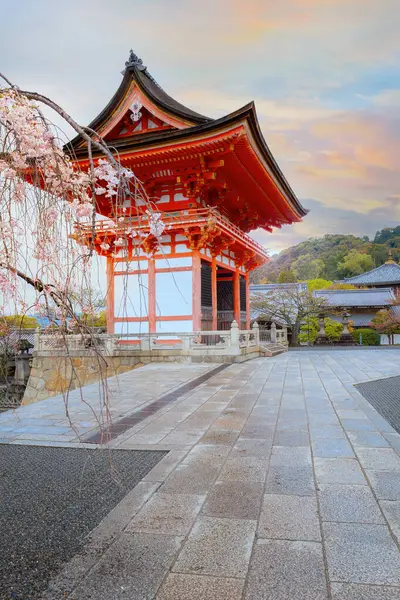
(46,423)
(282,483)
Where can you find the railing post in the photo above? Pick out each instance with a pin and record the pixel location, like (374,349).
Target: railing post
(110,345)
(256,331)
(145,342)
(273,333)
(235,337)
(185,343)
(284,334)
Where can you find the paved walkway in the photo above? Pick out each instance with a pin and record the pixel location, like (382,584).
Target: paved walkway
(282,483)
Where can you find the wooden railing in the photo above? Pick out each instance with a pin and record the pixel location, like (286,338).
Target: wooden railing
(199,216)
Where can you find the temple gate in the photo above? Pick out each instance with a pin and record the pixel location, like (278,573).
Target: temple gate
(213,181)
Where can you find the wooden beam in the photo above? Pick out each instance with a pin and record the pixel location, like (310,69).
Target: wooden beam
(196,288)
(216,164)
(214,293)
(236,296)
(247,301)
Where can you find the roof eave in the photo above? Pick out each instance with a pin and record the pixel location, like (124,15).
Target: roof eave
(247,113)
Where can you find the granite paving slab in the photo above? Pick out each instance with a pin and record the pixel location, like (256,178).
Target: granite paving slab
(233,500)
(338,470)
(391,509)
(348,503)
(289,518)
(134,567)
(386,484)
(331,448)
(361,553)
(219,547)
(172,514)
(290,480)
(379,459)
(369,439)
(348,591)
(286,570)
(193,587)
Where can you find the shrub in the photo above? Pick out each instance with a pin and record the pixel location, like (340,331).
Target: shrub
(333,329)
(20,321)
(309,330)
(369,336)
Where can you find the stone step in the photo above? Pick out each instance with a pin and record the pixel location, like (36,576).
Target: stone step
(272,349)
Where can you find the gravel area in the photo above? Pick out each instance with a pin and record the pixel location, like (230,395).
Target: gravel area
(51,498)
(384,395)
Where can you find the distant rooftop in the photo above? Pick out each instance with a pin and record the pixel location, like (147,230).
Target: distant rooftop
(351,298)
(260,288)
(387,274)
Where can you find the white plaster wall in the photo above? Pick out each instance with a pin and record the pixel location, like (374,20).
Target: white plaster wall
(171,263)
(174,293)
(385,339)
(173,326)
(131,295)
(129,327)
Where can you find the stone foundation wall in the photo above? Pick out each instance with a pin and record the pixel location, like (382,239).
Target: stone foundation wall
(53,375)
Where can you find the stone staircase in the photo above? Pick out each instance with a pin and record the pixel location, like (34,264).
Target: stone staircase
(271,349)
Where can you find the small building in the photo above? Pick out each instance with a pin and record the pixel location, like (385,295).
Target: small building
(362,305)
(212,181)
(387,275)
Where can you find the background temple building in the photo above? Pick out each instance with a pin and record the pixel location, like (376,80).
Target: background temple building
(362,305)
(387,275)
(213,180)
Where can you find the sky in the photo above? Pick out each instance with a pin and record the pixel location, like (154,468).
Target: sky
(324,74)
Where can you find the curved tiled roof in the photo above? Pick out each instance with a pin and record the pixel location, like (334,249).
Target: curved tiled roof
(389,274)
(349,298)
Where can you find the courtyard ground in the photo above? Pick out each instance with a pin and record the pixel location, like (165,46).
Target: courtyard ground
(281,481)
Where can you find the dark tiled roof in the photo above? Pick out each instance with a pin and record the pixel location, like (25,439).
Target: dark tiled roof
(349,298)
(389,273)
(262,288)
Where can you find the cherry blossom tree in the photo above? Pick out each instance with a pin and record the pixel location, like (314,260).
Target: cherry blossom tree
(43,196)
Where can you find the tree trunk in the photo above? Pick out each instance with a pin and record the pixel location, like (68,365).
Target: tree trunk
(295,334)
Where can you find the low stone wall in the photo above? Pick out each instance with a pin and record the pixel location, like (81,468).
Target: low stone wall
(53,375)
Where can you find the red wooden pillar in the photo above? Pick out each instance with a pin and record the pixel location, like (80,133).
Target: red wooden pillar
(214,294)
(152,294)
(247,301)
(196,287)
(110,295)
(236,296)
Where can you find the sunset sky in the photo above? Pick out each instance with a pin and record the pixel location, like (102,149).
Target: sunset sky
(325,76)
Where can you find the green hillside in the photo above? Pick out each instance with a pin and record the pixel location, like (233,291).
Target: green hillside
(331,257)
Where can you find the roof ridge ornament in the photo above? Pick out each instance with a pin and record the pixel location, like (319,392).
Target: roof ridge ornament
(135,61)
(390,260)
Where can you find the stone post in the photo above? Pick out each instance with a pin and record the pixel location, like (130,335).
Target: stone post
(22,369)
(284,333)
(273,333)
(345,322)
(321,332)
(256,331)
(235,347)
